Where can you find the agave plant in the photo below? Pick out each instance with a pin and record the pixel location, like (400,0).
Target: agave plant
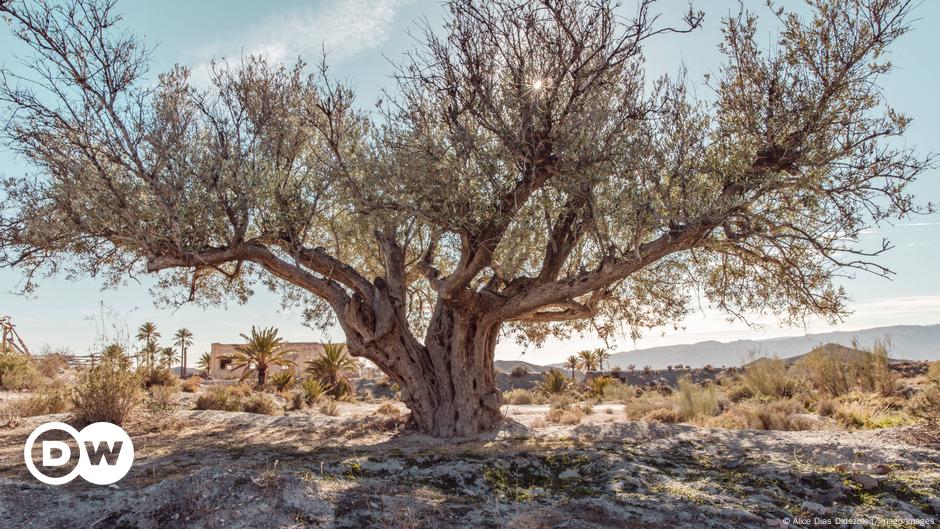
(284,380)
(554,383)
(332,368)
(264,350)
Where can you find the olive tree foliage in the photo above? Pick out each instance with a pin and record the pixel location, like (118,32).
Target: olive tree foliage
(525,178)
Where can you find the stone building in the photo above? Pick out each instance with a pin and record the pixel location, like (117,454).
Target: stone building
(222,353)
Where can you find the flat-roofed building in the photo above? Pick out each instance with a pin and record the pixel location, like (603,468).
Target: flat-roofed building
(223,353)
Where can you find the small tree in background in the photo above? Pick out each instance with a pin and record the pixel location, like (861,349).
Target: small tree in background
(263,351)
(183,339)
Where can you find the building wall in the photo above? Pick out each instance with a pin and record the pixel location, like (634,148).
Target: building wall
(301,353)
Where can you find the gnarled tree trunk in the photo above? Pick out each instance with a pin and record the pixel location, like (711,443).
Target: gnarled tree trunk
(449,382)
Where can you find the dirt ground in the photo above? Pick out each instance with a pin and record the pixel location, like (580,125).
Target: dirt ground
(211,469)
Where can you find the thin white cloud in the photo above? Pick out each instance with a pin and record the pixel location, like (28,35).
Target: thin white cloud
(344,28)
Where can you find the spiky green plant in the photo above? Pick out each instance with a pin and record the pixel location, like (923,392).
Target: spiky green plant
(597,385)
(263,350)
(313,391)
(554,383)
(284,380)
(332,369)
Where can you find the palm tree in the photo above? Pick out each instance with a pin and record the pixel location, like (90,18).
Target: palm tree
(572,363)
(167,357)
(331,368)
(263,351)
(148,334)
(183,339)
(602,355)
(588,360)
(113,356)
(147,355)
(205,362)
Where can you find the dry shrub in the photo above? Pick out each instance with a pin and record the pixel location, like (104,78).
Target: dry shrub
(564,415)
(618,392)
(835,375)
(925,404)
(49,364)
(520,397)
(763,415)
(858,410)
(329,407)
(158,376)
(666,415)
(191,384)
(697,402)
(826,407)
(769,377)
(739,392)
(260,403)
(106,393)
(388,409)
(162,399)
(933,372)
(224,398)
(18,373)
(636,408)
(48,399)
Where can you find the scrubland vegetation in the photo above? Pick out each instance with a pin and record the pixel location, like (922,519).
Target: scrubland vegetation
(823,389)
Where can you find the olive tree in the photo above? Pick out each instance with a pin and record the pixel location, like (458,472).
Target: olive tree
(524,179)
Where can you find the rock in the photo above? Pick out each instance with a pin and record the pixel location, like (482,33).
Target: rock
(814,508)
(935,505)
(571,473)
(867,482)
(881,469)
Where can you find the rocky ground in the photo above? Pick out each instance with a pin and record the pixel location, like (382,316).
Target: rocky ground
(209,469)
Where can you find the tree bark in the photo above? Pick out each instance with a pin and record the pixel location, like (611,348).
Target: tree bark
(449,382)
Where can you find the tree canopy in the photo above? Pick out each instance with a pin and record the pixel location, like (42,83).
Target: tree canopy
(524,171)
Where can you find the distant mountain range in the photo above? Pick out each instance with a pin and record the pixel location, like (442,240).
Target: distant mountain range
(909,342)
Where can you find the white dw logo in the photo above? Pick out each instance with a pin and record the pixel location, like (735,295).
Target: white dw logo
(105,453)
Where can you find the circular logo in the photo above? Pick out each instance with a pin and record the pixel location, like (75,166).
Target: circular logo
(105,453)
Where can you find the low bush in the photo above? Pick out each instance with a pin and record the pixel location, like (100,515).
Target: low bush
(666,415)
(158,376)
(697,402)
(595,387)
(106,393)
(260,403)
(220,398)
(48,399)
(50,364)
(618,391)
(769,377)
(554,382)
(521,397)
(925,404)
(933,372)
(859,411)
(162,399)
(191,384)
(564,416)
(762,415)
(18,373)
(635,409)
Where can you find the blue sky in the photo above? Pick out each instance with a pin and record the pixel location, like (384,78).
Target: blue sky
(360,37)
